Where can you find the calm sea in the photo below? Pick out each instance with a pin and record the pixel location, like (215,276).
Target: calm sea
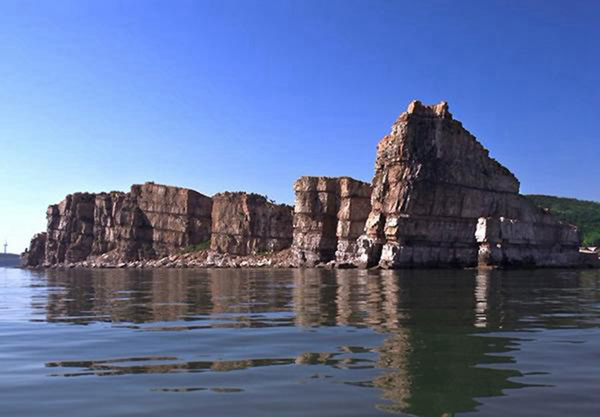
(288,343)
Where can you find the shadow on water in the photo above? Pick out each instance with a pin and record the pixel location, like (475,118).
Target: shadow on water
(441,348)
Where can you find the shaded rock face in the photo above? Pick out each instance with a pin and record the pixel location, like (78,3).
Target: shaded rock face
(244,224)
(152,220)
(540,241)
(70,229)
(439,200)
(36,254)
(121,227)
(329,215)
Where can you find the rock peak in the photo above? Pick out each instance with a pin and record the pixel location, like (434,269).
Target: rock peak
(439,199)
(432,110)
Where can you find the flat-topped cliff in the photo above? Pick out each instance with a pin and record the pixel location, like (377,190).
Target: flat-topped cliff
(154,221)
(244,224)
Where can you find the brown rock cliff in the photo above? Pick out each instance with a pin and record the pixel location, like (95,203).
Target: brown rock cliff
(434,184)
(244,224)
(329,215)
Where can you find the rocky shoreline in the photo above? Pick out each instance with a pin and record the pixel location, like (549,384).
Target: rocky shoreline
(210,259)
(200,259)
(437,200)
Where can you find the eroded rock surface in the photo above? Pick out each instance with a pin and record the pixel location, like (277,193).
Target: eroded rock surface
(437,200)
(178,217)
(36,253)
(440,200)
(245,224)
(329,215)
(121,228)
(150,221)
(354,208)
(70,229)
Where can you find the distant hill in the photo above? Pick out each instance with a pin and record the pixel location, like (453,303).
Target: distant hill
(9,260)
(583,214)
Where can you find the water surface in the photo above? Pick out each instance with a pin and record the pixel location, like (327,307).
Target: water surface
(299,343)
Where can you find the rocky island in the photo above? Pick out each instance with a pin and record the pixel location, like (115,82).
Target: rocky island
(437,200)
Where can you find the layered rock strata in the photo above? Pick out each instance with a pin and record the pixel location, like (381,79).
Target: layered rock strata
(542,241)
(440,200)
(70,232)
(329,215)
(437,200)
(245,224)
(150,221)
(121,228)
(354,208)
(178,217)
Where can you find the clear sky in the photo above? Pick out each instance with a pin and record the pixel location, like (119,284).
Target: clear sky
(251,94)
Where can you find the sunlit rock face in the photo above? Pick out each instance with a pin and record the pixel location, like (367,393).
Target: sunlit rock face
(178,217)
(542,241)
(121,227)
(245,224)
(70,231)
(329,215)
(152,220)
(439,200)
(354,208)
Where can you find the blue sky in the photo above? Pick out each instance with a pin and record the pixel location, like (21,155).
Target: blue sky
(249,95)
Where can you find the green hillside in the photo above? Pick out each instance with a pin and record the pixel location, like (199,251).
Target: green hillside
(584,214)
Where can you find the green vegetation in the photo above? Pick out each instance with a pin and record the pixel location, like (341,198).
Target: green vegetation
(197,247)
(583,214)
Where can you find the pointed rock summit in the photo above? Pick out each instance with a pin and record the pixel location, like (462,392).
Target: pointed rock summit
(440,200)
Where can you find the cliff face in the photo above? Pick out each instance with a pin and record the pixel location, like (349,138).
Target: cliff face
(354,208)
(121,227)
(329,215)
(244,224)
(155,221)
(70,229)
(536,238)
(440,200)
(178,217)
(437,199)
(152,220)
(36,253)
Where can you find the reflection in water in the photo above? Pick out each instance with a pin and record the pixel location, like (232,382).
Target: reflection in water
(434,360)
(161,365)
(481,295)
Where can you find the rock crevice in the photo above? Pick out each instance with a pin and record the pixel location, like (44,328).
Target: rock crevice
(329,215)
